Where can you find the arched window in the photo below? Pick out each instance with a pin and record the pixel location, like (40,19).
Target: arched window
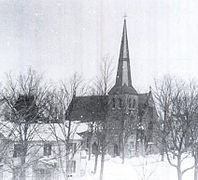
(113,103)
(151,111)
(130,104)
(120,103)
(134,103)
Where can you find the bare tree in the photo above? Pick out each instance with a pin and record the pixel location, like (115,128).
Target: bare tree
(59,110)
(177,106)
(194,146)
(24,101)
(102,86)
(193,135)
(163,95)
(104,79)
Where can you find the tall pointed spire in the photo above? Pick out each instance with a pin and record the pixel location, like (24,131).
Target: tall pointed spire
(123,77)
(124,72)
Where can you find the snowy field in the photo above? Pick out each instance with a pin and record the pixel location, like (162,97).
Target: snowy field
(148,168)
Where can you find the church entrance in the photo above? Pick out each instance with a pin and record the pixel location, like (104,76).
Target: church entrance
(116,150)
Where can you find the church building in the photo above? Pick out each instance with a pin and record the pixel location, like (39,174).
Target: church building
(130,117)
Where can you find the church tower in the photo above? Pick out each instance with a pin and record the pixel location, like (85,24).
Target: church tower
(123,94)
(123,98)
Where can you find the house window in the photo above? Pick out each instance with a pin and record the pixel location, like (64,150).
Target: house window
(113,103)
(72,166)
(17,150)
(72,147)
(47,149)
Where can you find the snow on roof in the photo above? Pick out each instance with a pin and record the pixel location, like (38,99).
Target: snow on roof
(56,131)
(48,161)
(43,132)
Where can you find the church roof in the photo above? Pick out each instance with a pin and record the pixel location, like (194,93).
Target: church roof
(88,108)
(122,90)
(95,108)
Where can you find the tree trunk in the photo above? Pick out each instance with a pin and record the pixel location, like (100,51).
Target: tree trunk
(67,163)
(90,149)
(123,153)
(96,163)
(163,150)
(90,140)
(22,175)
(162,156)
(179,172)
(102,164)
(163,137)
(14,174)
(136,145)
(196,168)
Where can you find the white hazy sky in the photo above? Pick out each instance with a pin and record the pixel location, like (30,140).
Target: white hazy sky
(59,37)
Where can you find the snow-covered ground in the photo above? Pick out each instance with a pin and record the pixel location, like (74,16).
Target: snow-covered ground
(141,168)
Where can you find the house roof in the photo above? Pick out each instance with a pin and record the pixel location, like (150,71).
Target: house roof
(88,108)
(54,131)
(43,132)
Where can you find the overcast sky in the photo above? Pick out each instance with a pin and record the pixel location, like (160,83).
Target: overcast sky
(59,37)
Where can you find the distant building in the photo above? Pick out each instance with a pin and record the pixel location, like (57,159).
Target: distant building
(130,116)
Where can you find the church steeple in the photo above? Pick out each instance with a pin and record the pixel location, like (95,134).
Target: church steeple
(123,79)
(124,72)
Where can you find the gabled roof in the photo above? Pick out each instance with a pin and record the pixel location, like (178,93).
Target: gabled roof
(88,108)
(122,90)
(145,101)
(143,98)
